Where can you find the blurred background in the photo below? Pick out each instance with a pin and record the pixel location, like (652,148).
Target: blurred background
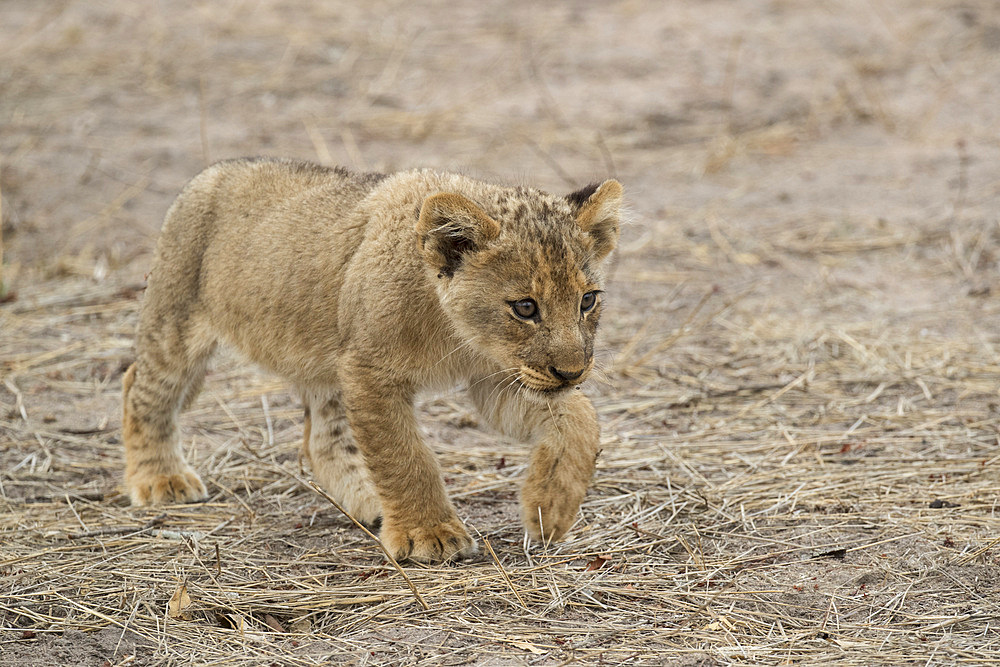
(759,115)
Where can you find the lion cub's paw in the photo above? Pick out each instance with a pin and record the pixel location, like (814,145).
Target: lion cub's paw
(548,514)
(444,542)
(155,489)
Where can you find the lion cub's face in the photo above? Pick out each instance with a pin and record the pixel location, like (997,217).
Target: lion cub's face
(523,282)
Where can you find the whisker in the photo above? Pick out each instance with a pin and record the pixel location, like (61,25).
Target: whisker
(522,389)
(487,377)
(602,376)
(555,422)
(500,396)
(602,355)
(461,346)
(495,396)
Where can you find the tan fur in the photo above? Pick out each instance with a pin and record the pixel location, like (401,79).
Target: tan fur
(363,290)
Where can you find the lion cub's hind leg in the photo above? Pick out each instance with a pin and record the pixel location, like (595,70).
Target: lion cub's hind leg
(337,463)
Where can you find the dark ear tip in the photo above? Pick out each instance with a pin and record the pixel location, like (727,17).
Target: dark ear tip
(580,197)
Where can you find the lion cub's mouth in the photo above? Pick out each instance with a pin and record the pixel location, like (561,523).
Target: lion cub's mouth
(544,383)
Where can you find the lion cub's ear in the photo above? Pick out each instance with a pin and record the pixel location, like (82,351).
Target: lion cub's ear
(598,212)
(450,226)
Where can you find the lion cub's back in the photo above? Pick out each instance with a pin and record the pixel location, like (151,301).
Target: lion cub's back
(251,188)
(256,246)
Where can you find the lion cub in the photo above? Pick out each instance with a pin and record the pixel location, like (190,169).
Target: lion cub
(362,290)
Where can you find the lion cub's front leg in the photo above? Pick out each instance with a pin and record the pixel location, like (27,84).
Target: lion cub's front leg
(566,437)
(418,520)
(562,466)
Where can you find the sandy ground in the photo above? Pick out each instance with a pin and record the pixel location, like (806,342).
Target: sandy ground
(800,401)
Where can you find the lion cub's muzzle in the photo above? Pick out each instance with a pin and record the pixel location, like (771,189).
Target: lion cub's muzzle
(554,379)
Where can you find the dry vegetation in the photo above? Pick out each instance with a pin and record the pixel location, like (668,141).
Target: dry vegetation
(800,392)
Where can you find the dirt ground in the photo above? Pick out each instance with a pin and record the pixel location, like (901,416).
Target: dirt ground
(801,383)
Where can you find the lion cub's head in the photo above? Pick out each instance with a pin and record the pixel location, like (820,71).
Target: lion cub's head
(519,272)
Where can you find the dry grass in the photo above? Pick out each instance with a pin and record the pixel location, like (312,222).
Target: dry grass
(798,493)
(800,388)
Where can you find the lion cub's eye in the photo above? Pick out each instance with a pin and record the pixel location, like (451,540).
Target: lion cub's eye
(526,309)
(588,301)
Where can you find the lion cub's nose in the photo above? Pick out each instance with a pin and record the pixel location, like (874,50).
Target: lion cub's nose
(563,375)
